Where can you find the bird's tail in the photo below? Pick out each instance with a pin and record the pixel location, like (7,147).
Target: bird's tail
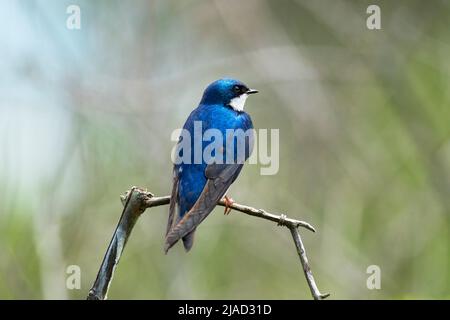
(188,240)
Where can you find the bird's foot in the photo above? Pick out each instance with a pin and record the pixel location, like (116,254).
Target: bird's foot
(228,203)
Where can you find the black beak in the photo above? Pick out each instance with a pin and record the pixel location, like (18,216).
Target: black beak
(252,91)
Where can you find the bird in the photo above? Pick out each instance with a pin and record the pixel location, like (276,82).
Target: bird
(197,187)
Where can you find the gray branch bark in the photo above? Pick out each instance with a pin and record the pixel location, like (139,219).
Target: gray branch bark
(136,201)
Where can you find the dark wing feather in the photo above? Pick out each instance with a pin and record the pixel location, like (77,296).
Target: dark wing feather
(188,239)
(173,202)
(220,177)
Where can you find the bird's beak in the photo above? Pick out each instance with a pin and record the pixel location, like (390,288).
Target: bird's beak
(252,91)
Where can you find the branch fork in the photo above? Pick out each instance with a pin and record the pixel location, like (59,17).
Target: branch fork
(136,201)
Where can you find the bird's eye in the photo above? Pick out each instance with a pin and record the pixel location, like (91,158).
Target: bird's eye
(236,89)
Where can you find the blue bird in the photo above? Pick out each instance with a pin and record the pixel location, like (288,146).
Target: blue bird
(199,185)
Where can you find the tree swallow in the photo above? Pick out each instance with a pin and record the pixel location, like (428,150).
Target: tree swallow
(198,184)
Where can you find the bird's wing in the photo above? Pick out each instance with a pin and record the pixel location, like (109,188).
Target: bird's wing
(220,177)
(173,202)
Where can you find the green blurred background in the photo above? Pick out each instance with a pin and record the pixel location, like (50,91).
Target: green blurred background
(364,119)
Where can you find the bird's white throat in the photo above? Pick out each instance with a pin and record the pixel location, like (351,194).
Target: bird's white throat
(239,102)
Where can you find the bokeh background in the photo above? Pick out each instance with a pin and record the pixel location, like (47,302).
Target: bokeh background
(364,119)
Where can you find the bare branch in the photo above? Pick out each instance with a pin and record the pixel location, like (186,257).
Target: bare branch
(280,219)
(136,201)
(306,269)
(134,205)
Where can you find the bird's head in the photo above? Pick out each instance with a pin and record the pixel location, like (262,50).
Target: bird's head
(229,92)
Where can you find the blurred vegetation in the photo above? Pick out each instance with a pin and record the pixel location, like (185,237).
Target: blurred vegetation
(364,153)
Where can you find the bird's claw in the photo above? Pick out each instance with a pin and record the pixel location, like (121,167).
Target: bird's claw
(228,203)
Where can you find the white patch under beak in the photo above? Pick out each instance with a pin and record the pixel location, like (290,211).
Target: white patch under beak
(239,102)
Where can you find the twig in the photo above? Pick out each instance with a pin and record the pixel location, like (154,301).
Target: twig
(280,219)
(137,200)
(306,269)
